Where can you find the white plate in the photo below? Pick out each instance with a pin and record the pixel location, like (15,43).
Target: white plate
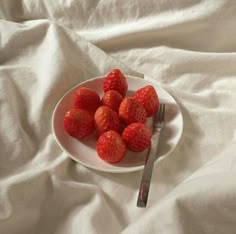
(84,152)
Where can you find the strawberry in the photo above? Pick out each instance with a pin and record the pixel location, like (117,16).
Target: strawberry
(78,123)
(86,99)
(115,80)
(137,137)
(112,99)
(131,111)
(148,97)
(110,147)
(106,119)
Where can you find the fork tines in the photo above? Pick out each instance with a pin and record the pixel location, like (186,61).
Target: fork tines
(160,116)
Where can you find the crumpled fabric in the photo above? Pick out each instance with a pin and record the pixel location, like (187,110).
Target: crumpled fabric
(186,47)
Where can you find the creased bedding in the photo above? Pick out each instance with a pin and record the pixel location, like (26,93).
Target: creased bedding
(187,47)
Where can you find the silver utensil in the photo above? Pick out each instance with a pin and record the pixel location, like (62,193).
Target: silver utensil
(158,124)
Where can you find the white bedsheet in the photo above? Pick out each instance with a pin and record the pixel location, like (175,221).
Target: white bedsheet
(187,47)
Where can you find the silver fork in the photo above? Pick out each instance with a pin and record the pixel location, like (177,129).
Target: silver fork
(158,124)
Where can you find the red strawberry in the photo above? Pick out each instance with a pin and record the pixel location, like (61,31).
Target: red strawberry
(112,99)
(131,111)
(106,119)
(110,147)
(137,137)
(86,99)
(115,80)
(148,97)
(78,123)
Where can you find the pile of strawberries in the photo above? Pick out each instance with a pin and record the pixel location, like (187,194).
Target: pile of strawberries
(118,121)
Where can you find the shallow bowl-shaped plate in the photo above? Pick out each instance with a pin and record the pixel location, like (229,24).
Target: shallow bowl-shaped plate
(84,151)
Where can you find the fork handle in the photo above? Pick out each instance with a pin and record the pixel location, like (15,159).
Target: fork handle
(148,168)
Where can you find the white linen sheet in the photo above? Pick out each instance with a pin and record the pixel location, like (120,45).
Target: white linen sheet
(187,47)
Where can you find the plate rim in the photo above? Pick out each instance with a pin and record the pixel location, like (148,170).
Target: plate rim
(124,169)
